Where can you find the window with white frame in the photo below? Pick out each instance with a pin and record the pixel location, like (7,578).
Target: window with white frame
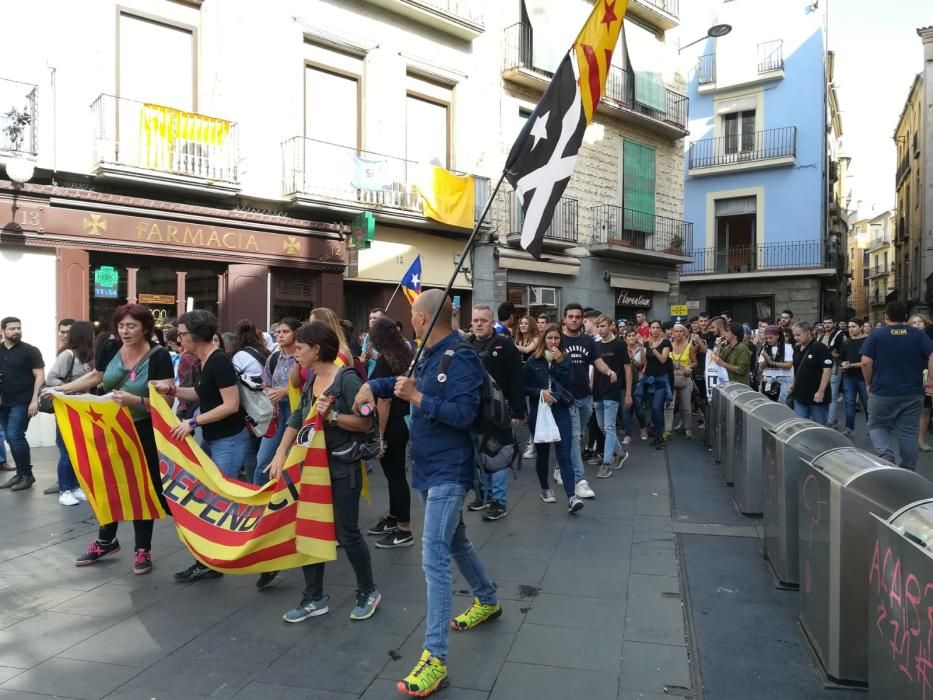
(168,81)
(427,121)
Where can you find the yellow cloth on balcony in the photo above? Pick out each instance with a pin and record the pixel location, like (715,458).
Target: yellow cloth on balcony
(447,197)
(162,127)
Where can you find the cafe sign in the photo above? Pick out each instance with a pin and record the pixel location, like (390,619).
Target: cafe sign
(633,297)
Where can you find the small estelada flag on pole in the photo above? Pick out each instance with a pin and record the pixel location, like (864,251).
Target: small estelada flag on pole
(411,282)
(544,155)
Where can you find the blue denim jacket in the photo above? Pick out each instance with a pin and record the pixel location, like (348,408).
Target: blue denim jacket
(540,375)
(441,446)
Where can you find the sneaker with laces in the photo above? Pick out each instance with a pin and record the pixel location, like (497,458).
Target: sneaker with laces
(96,550)
(142,562)
(266,578)
(477,504)
(386,525)
(196,572)
(79,494)
(495,511)
(621,457)
(475,615)
(307,609)
(605,471)
(593,461)
(396,539)
(529,451)
(428,676)
(574,505)
(66,498)
(560,482)
(583,490)
(366,604)
(547,495)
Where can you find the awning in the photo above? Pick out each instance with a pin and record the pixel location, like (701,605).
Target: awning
(638,283)
(646,59)
(512,259)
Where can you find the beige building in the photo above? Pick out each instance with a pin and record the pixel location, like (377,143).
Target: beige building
(858,268)
(881,272)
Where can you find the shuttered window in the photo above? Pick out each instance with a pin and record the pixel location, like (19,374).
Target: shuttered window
(638,181)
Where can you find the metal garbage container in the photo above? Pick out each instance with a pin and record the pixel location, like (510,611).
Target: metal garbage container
(782,447)
(756,417)
(722,416)
(900,597)
(839,490)
(735,407)
(899,624)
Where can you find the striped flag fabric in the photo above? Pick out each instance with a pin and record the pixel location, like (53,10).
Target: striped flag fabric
(411,282)
(239,528)
(108,458)
(544,155)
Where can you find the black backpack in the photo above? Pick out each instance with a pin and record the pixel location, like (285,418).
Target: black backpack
(493,438)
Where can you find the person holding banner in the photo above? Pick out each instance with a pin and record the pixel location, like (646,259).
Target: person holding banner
(125,369)
(331,389)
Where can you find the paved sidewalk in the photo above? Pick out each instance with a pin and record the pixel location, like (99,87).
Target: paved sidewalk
(592,607)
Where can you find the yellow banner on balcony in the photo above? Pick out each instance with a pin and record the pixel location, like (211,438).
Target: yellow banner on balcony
(163,129)
(448,197)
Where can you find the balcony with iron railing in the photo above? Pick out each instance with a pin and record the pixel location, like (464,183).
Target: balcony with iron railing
(771,56)
(880,271)
(18,118)
(563,232)
(783,258)
(879,241)
(749,151)
(320,174)
(902,169)
(660,14)
(460,18)
(770,66)
(624,233)
(667,117)
(148,142)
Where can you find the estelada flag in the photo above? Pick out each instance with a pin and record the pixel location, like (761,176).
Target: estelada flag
(108,458)
(544,155)
(238,528)
(411,282)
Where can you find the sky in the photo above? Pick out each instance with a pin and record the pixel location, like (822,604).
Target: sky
(878,53)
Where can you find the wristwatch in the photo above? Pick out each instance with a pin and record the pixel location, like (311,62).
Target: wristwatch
(193,423)
(332,421)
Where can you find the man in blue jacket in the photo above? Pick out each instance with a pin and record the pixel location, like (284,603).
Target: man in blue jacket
(444,410)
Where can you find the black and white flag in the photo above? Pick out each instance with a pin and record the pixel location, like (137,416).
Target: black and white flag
(543,156)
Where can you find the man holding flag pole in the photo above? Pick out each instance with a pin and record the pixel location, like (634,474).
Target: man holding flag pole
(538,167)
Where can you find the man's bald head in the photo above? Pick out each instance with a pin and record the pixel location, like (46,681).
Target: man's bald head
(423,309)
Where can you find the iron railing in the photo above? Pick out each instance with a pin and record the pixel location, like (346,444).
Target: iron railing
(153,137)
(671,7)
(620,83)
(878,241)
(618,226)
(332,171)
(741,148)
(564,223)
(771,56)
(706,69)
(880,270)
(462,9)
(18,127)
(793,255)
(902,169)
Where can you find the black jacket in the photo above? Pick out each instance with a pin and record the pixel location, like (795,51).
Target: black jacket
(504,364)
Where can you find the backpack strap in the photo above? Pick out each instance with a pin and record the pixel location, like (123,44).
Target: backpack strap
(447,357)
(274,361)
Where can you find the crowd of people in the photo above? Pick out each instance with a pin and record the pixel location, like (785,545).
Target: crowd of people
(605,383)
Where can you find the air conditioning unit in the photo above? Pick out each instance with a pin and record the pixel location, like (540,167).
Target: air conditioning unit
(542,296)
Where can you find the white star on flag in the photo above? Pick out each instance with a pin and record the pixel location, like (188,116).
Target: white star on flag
(539,130)
(415,281)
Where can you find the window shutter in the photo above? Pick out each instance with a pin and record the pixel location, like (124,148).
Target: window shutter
(638,181)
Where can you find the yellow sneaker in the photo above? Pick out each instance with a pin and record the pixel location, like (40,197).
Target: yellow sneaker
(475,615)
(428,676)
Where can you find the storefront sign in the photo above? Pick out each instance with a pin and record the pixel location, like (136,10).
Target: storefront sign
(156,299)
(628,297)
(106,281)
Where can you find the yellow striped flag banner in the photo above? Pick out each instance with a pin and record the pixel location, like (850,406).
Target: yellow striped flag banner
(108,458)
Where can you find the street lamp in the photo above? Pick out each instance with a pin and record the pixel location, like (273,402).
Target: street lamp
(714,32)
(20,171)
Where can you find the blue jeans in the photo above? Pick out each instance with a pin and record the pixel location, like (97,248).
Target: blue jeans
(658,399)
(818,413)
(606,413)
(561,415)
(579,417)
(230,453)
(835,380)
(67,481)
(445,536)
(268,446)
(493,487)
(13,423)
(854,389)
(890,414)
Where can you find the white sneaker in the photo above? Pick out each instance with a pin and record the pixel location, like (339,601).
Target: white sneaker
(560,482)
(66,499)
(583,490)
(79,494)
(548,496)
(529,451)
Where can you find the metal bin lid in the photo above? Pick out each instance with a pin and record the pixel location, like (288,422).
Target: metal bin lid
(747,401)
(734,388)
(809,437)
(772,412)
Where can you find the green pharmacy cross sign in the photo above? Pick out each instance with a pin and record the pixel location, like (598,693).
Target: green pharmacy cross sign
(362,231)
(106,281)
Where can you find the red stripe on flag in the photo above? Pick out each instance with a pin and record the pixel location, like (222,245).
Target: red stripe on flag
(318,529)
(129,427)
(269,523)
(257,557)
(312,493)
(593,76)
(77,437)
(129,467)
(109,476)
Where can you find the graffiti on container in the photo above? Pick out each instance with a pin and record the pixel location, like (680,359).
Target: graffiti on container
(904,616)
(769,461)
(813,506)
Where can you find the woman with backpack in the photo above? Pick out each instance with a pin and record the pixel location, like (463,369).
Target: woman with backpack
(73,362)
(249,351)
(332,389)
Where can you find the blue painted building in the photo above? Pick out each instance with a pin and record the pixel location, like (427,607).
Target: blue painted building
(759,164)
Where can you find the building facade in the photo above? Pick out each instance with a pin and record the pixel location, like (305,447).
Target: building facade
(913,137)
(882,272)
(618,236)
(859,266)
(761,167)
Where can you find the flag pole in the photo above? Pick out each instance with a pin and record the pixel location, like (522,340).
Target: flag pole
(392,298)
(453,277)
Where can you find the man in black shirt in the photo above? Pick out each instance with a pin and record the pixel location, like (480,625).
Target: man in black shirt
(504,363)
(813,365)
(21,375)
(833,338)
